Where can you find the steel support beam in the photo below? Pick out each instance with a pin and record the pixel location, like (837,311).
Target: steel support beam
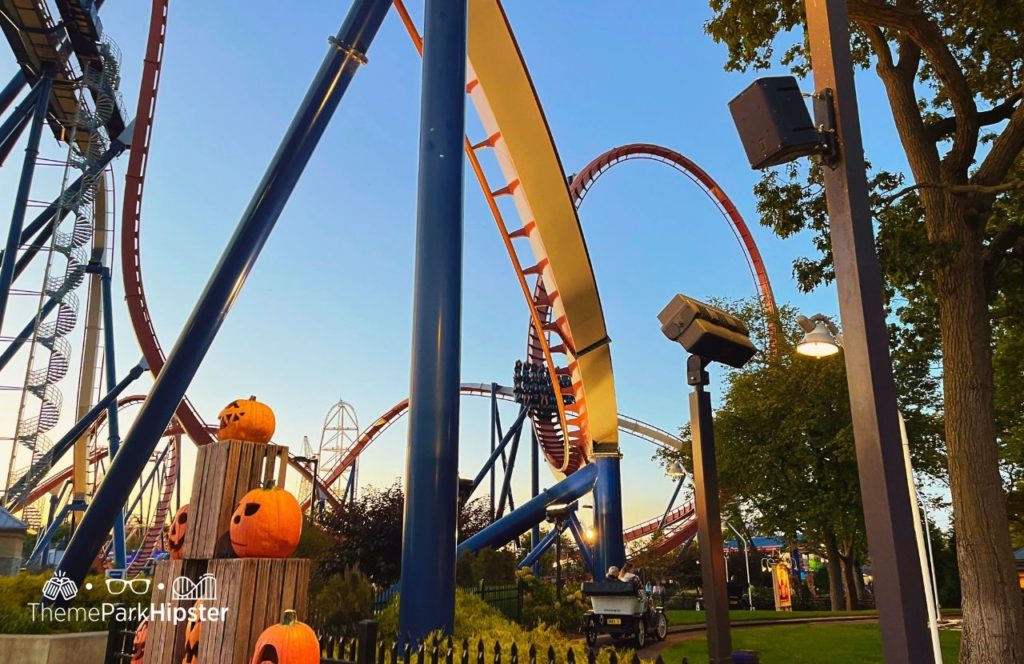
(432,462)
(532,512)
(671,502)
(42,100)
(534,485)
(609,549)
(488,466)
(532,559)
(22,112)
(888,517)
(10,139)
(113,430)
(11,91)
(506,485)
(345,54)
(581,543)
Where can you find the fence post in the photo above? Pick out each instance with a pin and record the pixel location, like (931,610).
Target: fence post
(366,641)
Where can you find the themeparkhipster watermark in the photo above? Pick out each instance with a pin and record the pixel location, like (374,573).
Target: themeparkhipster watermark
(60,588)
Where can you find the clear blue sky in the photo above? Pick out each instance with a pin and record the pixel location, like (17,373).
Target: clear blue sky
(326,312)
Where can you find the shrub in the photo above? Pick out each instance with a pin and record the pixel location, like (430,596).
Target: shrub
(541,605)
(476,622)
(342,601)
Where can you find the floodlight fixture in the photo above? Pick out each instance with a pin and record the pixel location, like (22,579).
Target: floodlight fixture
(707,331)
(821,336)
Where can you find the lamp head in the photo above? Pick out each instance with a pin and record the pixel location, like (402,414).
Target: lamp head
(675,469)
(818,341)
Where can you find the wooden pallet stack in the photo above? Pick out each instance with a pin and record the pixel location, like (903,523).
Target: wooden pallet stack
(250,593)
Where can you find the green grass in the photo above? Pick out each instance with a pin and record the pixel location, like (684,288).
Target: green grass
(852,643)
(696,617)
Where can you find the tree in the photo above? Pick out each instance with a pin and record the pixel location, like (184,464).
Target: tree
(368,533)
(952,71)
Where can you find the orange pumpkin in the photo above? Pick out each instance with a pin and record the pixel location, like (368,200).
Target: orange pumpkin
(266,524)
(193,630)
(247,419)
(139,642)
(176,535)
(291,642)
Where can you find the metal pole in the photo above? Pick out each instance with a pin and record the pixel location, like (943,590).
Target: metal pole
(608,548)
(558,561)
(506,484)
(432,477)
(113,430)
(346,53)
(746,556)
(888,517)
(709,518)
(24,187)
(922,550)
(494,435)
(8,142)
(12,90)
(534,487)
(21,113)
(671,502)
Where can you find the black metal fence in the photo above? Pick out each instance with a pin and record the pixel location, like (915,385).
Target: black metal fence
(120,638)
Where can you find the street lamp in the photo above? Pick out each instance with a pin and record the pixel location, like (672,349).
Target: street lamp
(709,335)
(823,339)
(821,336)
(675,469)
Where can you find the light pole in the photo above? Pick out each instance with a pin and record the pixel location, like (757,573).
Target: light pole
(709,335)
(775,128)
(823,339)
(746,556)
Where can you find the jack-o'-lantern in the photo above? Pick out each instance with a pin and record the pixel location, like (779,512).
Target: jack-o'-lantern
(176,535)
(139,642)
(291,642)
(266,524)
(193,630)
(246,419)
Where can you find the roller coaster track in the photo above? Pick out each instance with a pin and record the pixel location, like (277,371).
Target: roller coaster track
(626,424)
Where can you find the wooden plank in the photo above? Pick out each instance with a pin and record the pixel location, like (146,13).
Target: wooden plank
(225,471)
(255,591)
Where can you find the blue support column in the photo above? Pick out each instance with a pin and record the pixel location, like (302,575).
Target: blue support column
(534,487)
(514,524)
(488,466)
(28,168)
(609,548)
(576,528)
(8,142)
(532,559)
(113,430)
(345,55)
(12,90)
(432,476)
(24,110)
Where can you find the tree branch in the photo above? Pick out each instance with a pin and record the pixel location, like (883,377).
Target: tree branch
(916,25)
(957,189)
(1003,111)
(1004,151)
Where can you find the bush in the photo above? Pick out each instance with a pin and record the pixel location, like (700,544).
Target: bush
(342,601)
(492,566)
(476,621)
(541,605)
(17,592)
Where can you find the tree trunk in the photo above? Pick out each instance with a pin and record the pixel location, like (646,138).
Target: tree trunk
(848,583)
(835,581)
(993,618)
(858,582)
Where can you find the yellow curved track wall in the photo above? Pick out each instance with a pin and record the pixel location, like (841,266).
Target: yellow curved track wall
(508,105)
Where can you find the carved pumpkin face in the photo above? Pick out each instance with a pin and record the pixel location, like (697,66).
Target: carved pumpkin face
(266,524)
(291,642)
(246,419)
(193,630)
(176,535)
(139,642)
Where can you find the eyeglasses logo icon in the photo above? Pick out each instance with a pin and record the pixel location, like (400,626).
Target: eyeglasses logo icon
(118,586)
